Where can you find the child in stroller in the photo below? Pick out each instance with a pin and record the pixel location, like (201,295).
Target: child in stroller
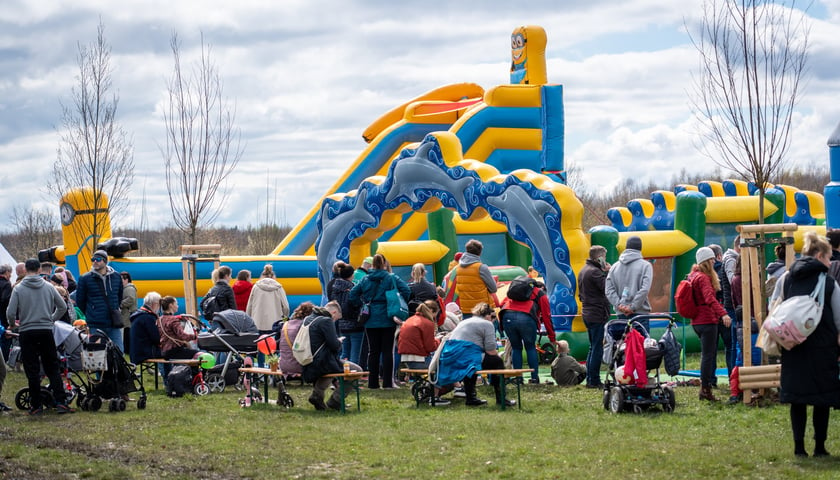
(631,356)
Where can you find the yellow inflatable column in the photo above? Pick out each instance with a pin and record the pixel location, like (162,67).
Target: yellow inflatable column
(82,213)
(527,51)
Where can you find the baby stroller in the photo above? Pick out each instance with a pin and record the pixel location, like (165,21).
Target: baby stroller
(106,375)
(623,392)
(69,347)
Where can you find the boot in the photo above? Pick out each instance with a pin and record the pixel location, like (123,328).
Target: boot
(472,397)
(799,448)
(819,449)
(317,401)
(706,394)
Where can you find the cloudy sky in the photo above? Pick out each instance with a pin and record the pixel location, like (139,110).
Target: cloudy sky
(307,77)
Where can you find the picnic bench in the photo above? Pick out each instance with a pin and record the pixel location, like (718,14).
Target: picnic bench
(353,378)
(150,365)
(422,386)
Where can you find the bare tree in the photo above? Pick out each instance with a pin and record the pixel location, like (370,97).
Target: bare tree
(753,54)
(202,146)
(94,150)
(32,230)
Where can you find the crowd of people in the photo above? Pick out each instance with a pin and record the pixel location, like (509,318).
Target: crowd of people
(356,326)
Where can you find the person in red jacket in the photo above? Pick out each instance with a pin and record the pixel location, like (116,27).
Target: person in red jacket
(704,285)
(520,321)
(242,289)
(416,342)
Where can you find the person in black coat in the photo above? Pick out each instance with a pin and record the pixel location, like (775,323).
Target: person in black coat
(809,370)
(144,334)
(595,310)
(326,350)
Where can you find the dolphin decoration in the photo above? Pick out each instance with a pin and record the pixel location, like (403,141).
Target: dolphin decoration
(418,172)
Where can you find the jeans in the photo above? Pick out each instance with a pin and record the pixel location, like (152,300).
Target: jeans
(729,335)
(351,348)
(37,348)
(521,329)
(708,335)
(116,336)
(596,352)
(381,354)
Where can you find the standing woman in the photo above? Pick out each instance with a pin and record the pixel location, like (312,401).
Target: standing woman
(242,289)
(267,303)
(128,305)
(379,328)
(338,290)
(421,289)
(705,284)
(809,370)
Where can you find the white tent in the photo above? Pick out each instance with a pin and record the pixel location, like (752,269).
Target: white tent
(6,257)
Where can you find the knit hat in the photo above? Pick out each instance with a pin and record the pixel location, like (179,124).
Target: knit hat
(368,260)
(453,307)
(633,243)
(703,254)
(101,253)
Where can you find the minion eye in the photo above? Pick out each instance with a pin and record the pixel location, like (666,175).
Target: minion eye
(517,41)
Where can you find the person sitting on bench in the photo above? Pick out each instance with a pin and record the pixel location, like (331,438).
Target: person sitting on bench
(471,347)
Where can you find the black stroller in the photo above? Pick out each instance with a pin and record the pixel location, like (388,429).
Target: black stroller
(232,332)
(621,392)
(105,375)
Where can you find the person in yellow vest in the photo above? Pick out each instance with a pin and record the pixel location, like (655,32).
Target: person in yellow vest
(475,283)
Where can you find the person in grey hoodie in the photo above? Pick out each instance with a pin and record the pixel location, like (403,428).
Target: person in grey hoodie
(37,304)
(628,283)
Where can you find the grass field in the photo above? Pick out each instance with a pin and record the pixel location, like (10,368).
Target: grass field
(558,433)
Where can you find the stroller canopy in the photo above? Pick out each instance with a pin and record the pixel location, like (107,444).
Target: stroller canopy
(234,321)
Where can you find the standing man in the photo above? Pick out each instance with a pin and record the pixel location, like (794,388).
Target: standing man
(474,283)
(595,309)
(128,305)
(628,283)
(98,293)
(5,295)
(36,304)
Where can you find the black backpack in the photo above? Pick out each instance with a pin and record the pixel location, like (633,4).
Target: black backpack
(521,288)
(209,306)
(179,381)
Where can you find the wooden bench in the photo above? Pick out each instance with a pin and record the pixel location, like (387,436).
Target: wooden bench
(150,365)
(353,378)
(758,378)
(422,387)
(422,375)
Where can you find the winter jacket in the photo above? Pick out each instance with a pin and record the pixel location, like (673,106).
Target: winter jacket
(267,304)
(36,304)
(241,294)
(595,307)
(225,299)
(473,282)
(417,337)
(288,332)
(326,348)
(709,310)
(97,295)
(809,370)
(567,371)
(420,292)
(172,334)
(636,274)
(725,275)
(128,304)
(5,296)
(542,310)
(145,336)
(372,288)
(339,291)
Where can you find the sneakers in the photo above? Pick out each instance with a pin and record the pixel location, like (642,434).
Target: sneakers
(534,381)
(459,393)
(5,408)
(317,402)
(439,402)
(508,403)
(36,412)
(62,408)
(475,402)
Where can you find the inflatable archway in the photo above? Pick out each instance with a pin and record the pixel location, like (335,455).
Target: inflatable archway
(538,212)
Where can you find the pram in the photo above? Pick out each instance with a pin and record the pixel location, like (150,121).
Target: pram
(69,348)
(620,391)
(232,332)
(110,380)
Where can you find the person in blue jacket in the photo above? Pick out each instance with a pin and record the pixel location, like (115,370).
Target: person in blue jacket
(380,328)
(98,293)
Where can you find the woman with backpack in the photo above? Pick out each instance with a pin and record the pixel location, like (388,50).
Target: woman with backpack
(704,285)
(522,311)
(809,370)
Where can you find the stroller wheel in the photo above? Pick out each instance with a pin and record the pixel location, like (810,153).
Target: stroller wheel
(47,399)
(94,404)
(112,405)
(201,389)
(606,399)
(85,404)
(121,405)
(80,400)
(286,400)
(216,382)
(637,409)
(22,400)
(616,400)
(141,403)
(670,399)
